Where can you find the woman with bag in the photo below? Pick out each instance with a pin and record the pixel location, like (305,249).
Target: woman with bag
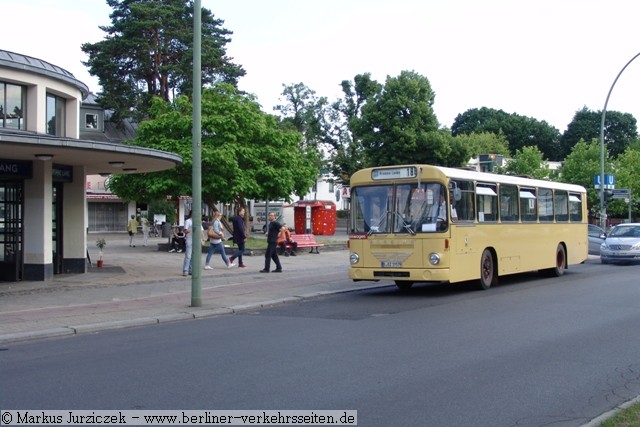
(216,236)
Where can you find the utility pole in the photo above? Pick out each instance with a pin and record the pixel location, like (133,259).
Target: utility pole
(603,207)
(196,167)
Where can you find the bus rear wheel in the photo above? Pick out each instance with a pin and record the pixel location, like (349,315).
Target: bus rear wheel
(404,285)
(488,274)
(561,263)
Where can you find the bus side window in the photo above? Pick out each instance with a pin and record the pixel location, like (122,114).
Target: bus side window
(528,206)
(487,199)
(463,201)
(545,204)
(575,207)
(560,204)
(508,203)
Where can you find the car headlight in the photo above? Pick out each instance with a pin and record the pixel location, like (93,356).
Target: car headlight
(636,246)
(434,258)
(354,258)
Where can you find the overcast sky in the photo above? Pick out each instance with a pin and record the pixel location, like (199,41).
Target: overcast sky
(544,59)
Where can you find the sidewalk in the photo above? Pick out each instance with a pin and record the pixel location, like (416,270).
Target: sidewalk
(144,286)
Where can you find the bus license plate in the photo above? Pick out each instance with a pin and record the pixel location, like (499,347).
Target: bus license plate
(391,264)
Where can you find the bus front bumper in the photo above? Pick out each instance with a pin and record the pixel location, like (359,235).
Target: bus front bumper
(411,275)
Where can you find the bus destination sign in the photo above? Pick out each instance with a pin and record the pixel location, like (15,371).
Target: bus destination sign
(395,173)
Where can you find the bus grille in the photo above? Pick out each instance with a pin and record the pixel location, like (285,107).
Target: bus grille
(391,274)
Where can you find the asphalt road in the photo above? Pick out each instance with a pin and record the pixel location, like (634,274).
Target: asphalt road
(531,352)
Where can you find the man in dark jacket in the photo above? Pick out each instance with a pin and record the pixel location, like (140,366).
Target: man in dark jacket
(239,237)
(272,245)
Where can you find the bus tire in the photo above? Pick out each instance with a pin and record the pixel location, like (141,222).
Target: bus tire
(561,263)
(404,285)
(488,273)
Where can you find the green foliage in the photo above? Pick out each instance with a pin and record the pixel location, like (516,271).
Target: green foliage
(484,143)
(163,207)
(620,130)
(627,170)
(520,131)
(346,123)
(148,51)
(527,162)
(581,165)
(245,152)
(399,125)
(101,243)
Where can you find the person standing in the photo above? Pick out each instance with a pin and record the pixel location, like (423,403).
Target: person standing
(215,242)
(273,231)
(132,228)
(145,230)
(239,237)
(188,231)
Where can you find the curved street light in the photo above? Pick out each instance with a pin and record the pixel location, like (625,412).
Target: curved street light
(603,209)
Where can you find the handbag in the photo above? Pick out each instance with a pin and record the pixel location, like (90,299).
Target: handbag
(212,234)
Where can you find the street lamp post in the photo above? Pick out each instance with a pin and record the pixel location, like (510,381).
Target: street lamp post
(603,209)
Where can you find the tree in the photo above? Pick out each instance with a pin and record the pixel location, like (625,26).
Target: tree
(484,143)
(398,125)
(148,52)
(520,131)
(620,130)
(580,166)
(347,153)
(527,162)
(627,167)
(245,152)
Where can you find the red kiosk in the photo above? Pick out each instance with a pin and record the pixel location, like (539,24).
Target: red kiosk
(315,217)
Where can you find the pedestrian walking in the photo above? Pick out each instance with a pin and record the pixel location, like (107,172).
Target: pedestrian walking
(273,231)
(188,231)
(132,228)
(145,230)
(215,232)
(239,237)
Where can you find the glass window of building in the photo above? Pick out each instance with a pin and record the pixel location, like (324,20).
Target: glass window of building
(91,121)
(55,115)
(12,102)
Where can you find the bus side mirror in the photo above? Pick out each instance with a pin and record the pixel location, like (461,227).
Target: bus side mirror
(457,194)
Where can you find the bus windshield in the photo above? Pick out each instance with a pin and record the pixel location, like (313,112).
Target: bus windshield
(401,208)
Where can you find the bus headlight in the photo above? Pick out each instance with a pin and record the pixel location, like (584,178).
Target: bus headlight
(434,258)
(354,258)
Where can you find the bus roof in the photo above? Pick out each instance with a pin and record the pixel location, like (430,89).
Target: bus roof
(479,176)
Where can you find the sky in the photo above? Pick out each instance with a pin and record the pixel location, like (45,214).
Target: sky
(544,59)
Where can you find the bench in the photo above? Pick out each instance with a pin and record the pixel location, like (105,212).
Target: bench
(306,241)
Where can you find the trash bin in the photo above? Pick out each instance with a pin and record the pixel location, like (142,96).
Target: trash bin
(166,229)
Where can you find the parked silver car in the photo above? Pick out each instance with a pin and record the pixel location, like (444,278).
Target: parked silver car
(622,244)
(596,237)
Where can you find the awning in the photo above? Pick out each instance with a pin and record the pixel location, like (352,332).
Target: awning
(485,191)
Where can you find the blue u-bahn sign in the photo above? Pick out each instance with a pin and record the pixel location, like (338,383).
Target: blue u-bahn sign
(609,182)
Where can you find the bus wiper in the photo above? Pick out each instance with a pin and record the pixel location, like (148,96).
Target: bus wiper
(406,225)
(376,228)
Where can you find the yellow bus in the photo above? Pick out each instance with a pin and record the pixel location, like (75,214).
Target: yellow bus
(421,223)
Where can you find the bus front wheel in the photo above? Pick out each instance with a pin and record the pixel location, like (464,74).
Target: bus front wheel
(488,274)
